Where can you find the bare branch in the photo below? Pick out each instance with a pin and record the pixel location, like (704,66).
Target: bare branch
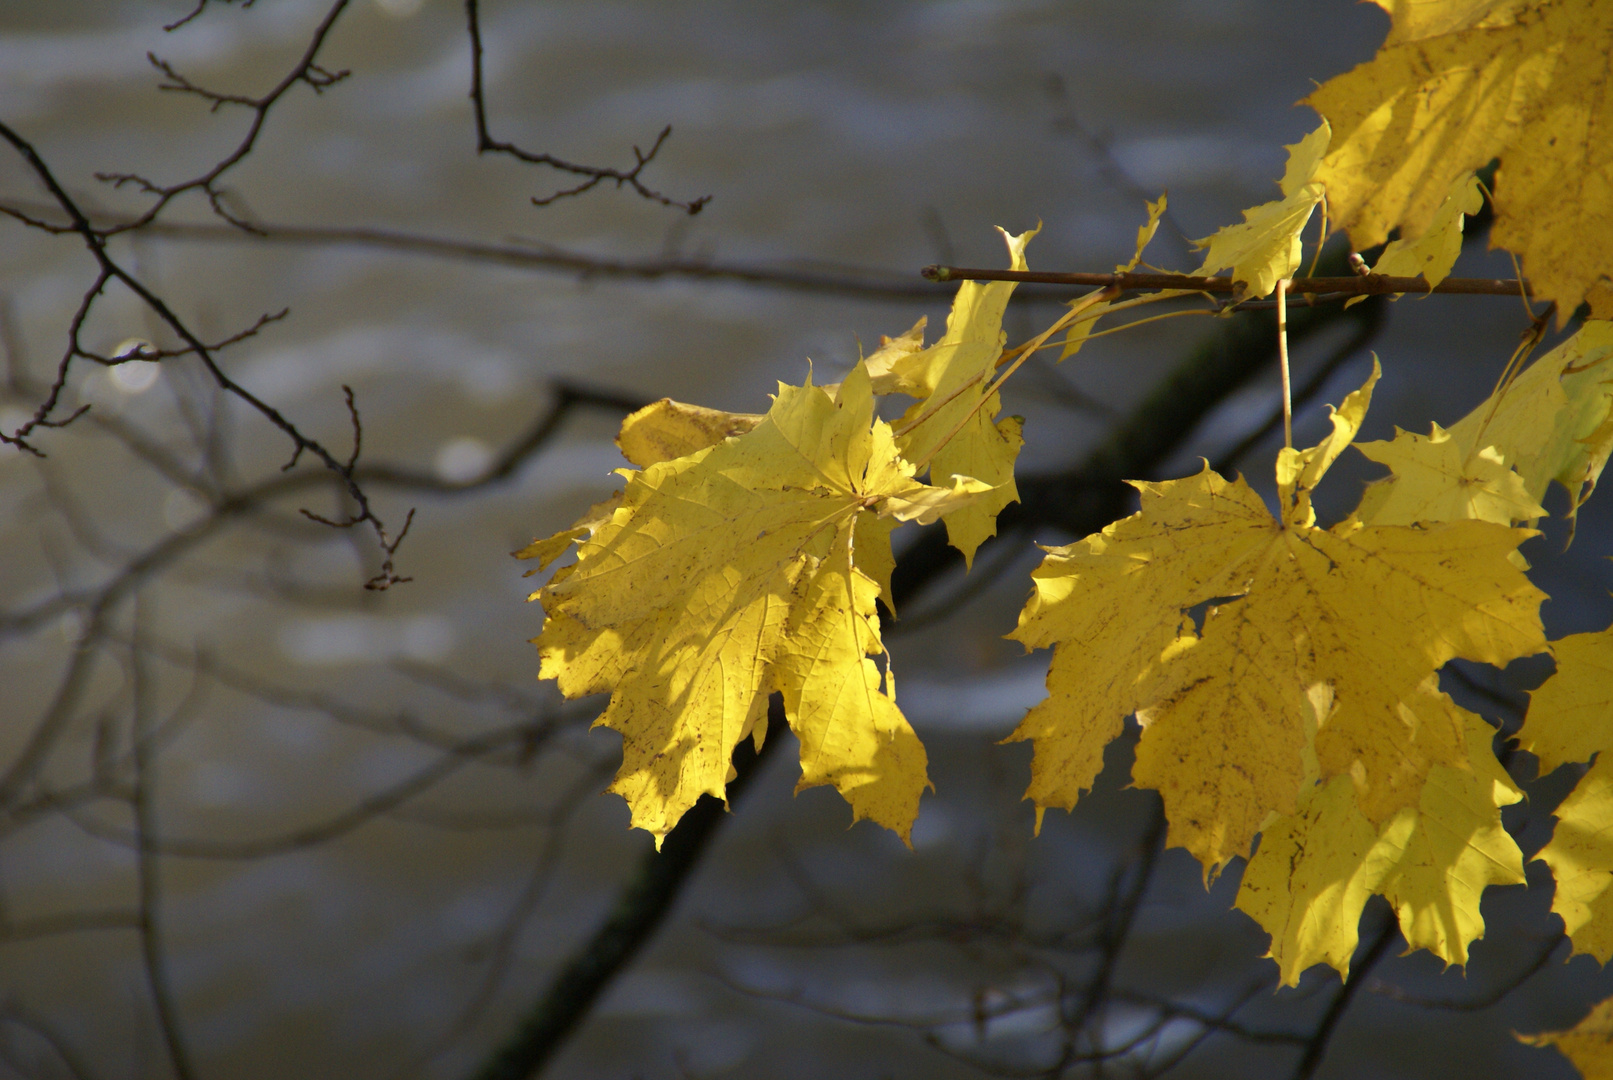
(593,175)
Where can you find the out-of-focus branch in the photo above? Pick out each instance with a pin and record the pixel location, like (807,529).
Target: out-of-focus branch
(148,857)
(852,282)
(645,900)
(1360,972)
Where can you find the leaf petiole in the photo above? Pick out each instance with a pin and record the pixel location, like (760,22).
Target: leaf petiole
(1108,292)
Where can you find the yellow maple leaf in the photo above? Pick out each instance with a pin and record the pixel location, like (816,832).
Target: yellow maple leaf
(1438,858)
(1552,422)
(1588,1044)
(671,429)
(1437,479)
(1570,715)
(549,548)
(1418,19)
(1389,762)
(1224,709)
(1076,336)
(1145,234)
(1265,248)
(1310,879)
(1527,83)
(1432,254)
(735,571)
(950,379)
(1581,859)
(1308,883)
(892,365)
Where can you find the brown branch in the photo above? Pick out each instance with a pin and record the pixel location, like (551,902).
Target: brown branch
(1331,287)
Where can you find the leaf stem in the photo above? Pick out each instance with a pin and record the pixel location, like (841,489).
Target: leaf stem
(1321,239)
(1282,362)
(1108,292)
(1139,322)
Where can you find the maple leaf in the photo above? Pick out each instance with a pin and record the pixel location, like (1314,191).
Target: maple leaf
(671,429)
(1265,248)
(1440,856)
(549,548)
(894,364)
(1570,715)
(1309,882)
(1418,19)
(1552,422)
(1294,608)
(1588,1044)
(950,379)
(1527,83)
(1310,879)
(1438,479)
(735,571)
(1076,336)
(1145,234)
(1580,855)
(1432,254)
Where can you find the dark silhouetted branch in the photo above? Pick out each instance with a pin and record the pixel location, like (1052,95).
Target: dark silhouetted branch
(592,175)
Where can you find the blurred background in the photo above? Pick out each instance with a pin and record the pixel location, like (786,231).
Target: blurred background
(258,821)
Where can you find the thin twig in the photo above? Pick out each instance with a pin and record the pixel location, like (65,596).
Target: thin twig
(593,175)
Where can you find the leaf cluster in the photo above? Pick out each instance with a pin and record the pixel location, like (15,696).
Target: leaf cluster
(1285,675)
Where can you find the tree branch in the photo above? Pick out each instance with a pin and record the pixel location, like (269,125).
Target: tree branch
(593,175)
(1323,288)
(645,901)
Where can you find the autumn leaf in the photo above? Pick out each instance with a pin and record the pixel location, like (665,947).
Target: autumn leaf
(1145,234)
(1439,857)
(1310,880)
(1433,858)
(549,548)
(893,365)
(1580,855)
(1462,84)
(1570,715)
(670,429)
(1081,329)
(1588,1044)
(1265,248)
(1432,254)
(1552,422)
(1418,19)
(735,571)
(950,378)
(1438,479)
(1292,608)
(1076,336)
(1549,423)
